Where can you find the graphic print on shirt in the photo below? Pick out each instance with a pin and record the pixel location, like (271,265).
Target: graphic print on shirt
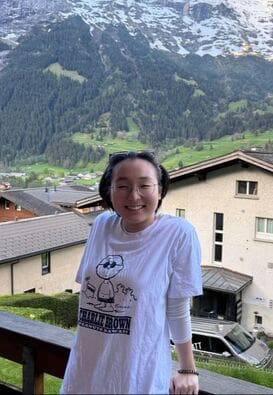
(107,298)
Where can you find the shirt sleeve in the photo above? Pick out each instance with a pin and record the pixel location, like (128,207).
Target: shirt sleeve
(178,313)
(186,276)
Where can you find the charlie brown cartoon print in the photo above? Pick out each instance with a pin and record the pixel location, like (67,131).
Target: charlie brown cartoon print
(107,297)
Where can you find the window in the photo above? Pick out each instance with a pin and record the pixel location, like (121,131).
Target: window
(217,346)
(31,290)
(218,236)
(46,263)
(18,207)
(7,205)
(180,212)
(264,228)
(200,342)
(258,319)
(248,188)
(209,344)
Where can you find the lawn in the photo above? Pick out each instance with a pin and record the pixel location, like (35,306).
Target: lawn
(214,148)
(172,157)
(11,373)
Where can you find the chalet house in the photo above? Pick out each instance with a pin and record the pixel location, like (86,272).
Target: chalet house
(17,204)
(41,254)
(76,198)
(229,199)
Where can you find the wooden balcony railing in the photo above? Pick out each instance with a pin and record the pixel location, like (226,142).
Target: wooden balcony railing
(43,348)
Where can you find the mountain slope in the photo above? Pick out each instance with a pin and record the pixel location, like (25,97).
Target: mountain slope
(214,27)
(92,75)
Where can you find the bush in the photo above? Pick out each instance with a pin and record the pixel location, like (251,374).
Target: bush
(29,312)
(64,306)
(199,147)
(270,344)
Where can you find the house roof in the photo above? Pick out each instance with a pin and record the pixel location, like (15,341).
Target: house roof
(225,280)
(29,202)
(27,237)
(65,196)
(261,159)
(46,201)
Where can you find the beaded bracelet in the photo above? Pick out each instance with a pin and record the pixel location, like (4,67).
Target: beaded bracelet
(188,371)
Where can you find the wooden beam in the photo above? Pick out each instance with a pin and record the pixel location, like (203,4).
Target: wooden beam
(33,380)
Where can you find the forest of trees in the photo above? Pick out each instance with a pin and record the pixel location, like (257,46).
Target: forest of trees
(168,97)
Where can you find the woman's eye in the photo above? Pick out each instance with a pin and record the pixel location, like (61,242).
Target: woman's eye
(122,187)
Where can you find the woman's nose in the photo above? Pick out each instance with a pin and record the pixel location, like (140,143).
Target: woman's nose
(134,191)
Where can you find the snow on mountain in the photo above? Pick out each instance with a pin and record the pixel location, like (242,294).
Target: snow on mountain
(215,27)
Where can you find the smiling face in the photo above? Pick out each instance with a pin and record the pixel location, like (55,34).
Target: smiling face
(136,209)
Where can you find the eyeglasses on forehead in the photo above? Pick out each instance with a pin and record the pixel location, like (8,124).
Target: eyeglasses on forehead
(128,154)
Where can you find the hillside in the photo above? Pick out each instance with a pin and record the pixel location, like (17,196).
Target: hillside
(60,81)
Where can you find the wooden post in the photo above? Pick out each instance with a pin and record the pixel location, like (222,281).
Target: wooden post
(33,381)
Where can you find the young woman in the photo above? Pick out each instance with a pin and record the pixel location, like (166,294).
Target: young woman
(137,275)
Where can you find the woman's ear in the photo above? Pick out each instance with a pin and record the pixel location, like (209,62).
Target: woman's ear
(159,192)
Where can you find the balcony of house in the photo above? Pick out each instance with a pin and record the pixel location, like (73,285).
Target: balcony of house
(43,348)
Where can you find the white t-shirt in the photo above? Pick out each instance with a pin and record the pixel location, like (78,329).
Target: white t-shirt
(122,343)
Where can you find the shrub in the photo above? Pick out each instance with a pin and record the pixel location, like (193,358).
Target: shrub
(64,306)
(270,344)
(199,147)
(29,312)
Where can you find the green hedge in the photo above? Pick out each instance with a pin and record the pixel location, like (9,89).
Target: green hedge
(270,344)
(64,306)
(29,312)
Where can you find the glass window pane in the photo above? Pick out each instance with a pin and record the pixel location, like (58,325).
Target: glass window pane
(242,186)
(219,237)
(217,345)
(180,212)
(219,221)
(261,225)
(200,342)
(252,188)
(218,253)
(269,228)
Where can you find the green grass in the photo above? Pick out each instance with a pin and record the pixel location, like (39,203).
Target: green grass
(237,370)
(237,105)
(172,156)
(44,169)
(215,148)
(11,373)
(198,92)
(59,71)
(234,107)
(126,142)
(133,127)
(247,373)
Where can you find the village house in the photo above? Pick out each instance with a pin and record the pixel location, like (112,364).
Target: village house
(41,254)
(17,204)
(229,199)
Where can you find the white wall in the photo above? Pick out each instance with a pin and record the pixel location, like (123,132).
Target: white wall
(241,252)
(5,276)
(27,273)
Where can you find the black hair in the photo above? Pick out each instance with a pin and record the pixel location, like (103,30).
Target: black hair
(114,159)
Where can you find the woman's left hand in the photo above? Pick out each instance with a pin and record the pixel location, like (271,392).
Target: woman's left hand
(184,384)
